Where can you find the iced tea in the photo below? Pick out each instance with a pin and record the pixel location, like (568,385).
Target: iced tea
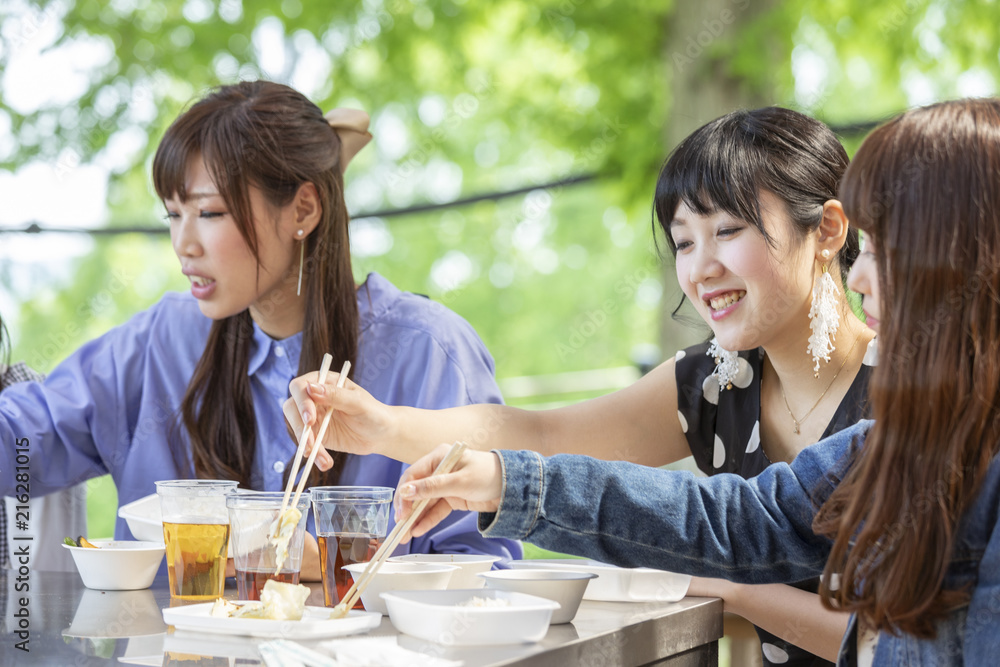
(249,583)
(347,549)
(196,559)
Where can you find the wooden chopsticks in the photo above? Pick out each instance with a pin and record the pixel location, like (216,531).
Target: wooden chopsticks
(303,437)
(324,369)
(318,445)
(392,541)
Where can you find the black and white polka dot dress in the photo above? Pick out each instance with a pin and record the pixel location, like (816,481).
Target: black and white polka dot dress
(723,432)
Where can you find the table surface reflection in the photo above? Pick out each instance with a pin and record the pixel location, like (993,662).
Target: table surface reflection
(73,625)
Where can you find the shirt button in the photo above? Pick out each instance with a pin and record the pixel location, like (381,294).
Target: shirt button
(279,467)
(279,351)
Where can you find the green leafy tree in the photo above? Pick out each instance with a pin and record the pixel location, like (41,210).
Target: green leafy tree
(469,98)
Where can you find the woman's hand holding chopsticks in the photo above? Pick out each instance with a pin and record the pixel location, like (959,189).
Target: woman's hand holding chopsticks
(358,421)
(475,484)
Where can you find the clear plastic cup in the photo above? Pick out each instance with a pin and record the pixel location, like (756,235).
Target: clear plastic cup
(351,524)
(196,534)
(253,520)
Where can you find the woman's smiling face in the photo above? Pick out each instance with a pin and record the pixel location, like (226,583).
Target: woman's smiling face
(746,289)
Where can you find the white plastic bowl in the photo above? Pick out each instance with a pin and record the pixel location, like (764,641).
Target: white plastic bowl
(144,518)
(401,577)
(442,617)
(469,566)
(117,565)
(562,586)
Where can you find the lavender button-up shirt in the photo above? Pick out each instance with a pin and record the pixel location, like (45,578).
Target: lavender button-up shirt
(113,406)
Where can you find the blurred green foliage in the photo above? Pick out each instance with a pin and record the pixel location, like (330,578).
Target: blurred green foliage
(493,96)
(480,97)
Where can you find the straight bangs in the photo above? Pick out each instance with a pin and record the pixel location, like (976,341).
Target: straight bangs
(714,169)
(216,135)
(728,163)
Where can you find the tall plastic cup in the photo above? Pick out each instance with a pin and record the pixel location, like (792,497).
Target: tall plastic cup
(351,524)
(196,534)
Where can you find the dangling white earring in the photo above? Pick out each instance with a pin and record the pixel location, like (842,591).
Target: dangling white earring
(302,258)
(824,317)
(725,364)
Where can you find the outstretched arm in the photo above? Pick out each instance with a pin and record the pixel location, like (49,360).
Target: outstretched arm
(794,615)
(749,531)
(637,424)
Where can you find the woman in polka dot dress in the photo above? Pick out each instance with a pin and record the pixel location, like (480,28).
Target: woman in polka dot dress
(748,206)
(769,403)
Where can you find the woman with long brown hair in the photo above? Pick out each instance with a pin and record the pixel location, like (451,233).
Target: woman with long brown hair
(899,514)
(252,180)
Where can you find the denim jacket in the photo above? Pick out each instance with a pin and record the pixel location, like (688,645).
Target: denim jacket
(751,531)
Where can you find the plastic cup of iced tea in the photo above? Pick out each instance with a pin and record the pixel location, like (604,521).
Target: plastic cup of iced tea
(196,534)
(253,515)
(351,524)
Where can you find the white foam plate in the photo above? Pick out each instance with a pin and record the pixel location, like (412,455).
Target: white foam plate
(618,584)
(315,623)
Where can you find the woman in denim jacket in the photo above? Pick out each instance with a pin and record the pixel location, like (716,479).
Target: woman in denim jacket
(899,513)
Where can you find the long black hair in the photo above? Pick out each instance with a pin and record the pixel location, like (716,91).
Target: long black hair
(726,164)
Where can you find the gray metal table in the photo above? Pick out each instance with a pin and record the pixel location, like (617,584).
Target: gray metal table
(72,625)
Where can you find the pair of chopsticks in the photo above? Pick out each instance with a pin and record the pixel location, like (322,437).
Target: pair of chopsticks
(391,542)
(323,370)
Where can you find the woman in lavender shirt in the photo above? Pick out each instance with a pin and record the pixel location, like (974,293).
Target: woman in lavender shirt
(252,180)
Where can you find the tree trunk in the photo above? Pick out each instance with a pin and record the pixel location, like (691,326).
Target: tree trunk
(701,89)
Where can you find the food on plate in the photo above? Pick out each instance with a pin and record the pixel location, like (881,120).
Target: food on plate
(278,602)
(80,542)
(485,602)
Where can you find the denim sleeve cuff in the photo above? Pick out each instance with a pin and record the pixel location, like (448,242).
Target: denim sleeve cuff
(520,496)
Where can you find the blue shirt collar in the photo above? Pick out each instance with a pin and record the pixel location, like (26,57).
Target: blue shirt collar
(263,346)
(375,297)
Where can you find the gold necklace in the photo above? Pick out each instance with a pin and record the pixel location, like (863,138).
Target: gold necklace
(797,422)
